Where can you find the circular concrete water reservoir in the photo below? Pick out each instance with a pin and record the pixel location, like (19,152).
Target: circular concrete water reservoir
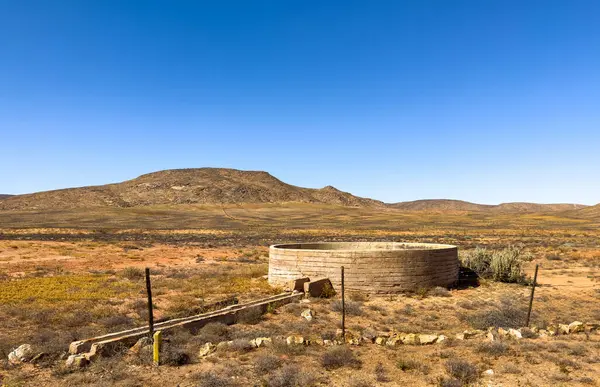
(372,267)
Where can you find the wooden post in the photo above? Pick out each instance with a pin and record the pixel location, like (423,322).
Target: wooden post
(150,312)
(343,309)
(157,338)
(531,297)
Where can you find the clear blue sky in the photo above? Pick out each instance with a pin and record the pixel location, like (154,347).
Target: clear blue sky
(486,101)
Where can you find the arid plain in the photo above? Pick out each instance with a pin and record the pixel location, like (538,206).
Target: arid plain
(75,271)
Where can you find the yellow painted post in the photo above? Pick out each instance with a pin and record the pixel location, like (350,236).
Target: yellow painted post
(156,347)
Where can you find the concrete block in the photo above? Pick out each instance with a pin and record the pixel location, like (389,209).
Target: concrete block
(297,284)
(321,287)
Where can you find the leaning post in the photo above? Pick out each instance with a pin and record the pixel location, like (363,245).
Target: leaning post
(150,312)
(343,309)
(531,297)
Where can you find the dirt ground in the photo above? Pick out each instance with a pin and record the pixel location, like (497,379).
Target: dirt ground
(54,291)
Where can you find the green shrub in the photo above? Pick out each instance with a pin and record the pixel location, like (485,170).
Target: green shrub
(505,265)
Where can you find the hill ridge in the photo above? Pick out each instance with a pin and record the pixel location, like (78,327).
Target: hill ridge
(186,186)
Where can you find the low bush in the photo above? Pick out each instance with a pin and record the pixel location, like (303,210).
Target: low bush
(264,364)
(439,291)
(133,273)
(340,356)
(508,314)
(212,379)
(462,370)
(494,348)
(353,308)
(290,375)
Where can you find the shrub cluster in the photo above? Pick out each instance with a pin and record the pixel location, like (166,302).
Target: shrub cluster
(504,265)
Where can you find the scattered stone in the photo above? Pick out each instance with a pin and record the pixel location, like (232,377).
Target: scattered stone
(515,333)
(490,336)
(576,327)
(295,340)
(469,334)
(563,329)
(307,314)
(22,354)
(261,342)
(589,327)
(393,341)
(207,349)
(427,339)
(40,356)
(441,339)
(542,333)
(535,329)
(381,340)
(327,342)
(502,332)
(321,287)
(305,301)
(353,341)
(77,361)
(489,372)
(141,343)
(552,330)
(409,339)
(460,336)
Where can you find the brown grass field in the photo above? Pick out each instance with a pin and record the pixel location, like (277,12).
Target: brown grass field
(70,274)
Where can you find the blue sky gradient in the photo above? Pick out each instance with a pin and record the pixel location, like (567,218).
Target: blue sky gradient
(485,101)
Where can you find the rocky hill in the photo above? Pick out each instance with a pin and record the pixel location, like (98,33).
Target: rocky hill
(186,186)
(4,196)
(446,205)
(591,212)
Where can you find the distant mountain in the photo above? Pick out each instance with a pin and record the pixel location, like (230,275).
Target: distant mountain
(186,186)
(591,212)
(446,205)
(4,196)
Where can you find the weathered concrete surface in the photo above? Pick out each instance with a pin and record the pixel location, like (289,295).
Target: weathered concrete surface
(320,287)
(107,344)
(373,267)
(297,284)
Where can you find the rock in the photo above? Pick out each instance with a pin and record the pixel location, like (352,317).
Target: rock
(563,329)
(535,329)
(141,343)
(502,332)
(459,336)
(353,341)
(488,372)
(589,327)
(327,342)
(427,339)
(321,287)
(393,341)
(542,333)
(490,336)
(441,339)
(261,342)
(576,327)
(297,284)
(295,340)
(409,339)
(469,334)
(206,349)
(552,330)
(305,301)
(317,341)
(37,358)
(22,354)
(515,333)
(381,340)
(77,361)
(307,314)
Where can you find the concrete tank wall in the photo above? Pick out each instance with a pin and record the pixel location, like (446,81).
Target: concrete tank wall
(373,267)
